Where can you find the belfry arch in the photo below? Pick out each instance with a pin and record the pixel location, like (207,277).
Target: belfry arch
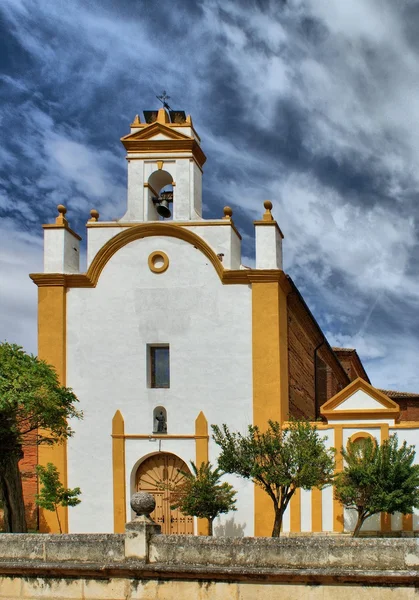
(158,182)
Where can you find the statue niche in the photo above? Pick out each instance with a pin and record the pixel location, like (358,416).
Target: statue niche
(159,420)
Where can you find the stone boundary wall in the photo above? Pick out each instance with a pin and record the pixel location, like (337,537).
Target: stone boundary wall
(299,552)
(145,565)
(320,552)
(97,547)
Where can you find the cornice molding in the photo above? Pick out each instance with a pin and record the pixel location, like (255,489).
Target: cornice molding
(161,146)
(143,230)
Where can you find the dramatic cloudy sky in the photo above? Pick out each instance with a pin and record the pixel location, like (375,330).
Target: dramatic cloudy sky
(313,104)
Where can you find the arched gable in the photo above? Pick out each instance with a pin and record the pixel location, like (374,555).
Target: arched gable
(143,230)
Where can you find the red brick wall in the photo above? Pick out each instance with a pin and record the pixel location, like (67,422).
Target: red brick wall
(409,409)
(303,338)
(300,369)
(346,363)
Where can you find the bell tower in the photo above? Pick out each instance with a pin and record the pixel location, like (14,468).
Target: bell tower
(165,163)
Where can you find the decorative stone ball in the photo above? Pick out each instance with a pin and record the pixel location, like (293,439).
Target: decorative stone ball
(267,204)
(143,503)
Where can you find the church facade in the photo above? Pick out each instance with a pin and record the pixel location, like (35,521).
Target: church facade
(166,333)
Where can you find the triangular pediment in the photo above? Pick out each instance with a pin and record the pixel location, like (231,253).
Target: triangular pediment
(155,131)
(360,400)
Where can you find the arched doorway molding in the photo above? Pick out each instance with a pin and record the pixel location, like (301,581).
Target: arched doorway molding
(162,467)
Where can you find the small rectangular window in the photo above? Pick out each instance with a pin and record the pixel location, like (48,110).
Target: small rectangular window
(159,360)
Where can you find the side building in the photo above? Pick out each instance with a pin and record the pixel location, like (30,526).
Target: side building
(167,333)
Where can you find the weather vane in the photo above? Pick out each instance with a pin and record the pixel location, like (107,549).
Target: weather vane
(163,99)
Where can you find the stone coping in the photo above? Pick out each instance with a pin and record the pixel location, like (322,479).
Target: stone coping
(136,570)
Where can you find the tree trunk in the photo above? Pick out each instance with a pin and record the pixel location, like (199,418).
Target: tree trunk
(12,495)
(210,526)
(361,519)
(276,531)
(58,517)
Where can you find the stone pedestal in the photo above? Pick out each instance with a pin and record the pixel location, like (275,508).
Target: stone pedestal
(139,531)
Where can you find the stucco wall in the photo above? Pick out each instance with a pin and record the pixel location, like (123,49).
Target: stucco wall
(208,327)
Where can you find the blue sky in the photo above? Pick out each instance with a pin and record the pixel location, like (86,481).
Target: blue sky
(310,103)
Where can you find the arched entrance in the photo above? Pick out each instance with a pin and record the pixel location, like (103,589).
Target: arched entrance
(153,476)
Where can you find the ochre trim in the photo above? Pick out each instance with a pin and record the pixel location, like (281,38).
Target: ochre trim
(295,512)
(188,145)
(150,130)
(385,517)
(389,408)
(161,436)
(52,349)
(118,471)
(66,227)
(338,522)
(159,254)
(316,510)
(360,435)
(270,376)
(356,415)
(367,424)
(202,455)
(407,522)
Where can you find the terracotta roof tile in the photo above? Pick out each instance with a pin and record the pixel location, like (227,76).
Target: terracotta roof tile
(335,349)
(395,394)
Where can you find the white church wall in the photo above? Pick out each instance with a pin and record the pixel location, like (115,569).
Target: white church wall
(135,191)
(208,327)
(183,191)
(196,182)
(220,238)
(410,436)
(96,237)
(61,251)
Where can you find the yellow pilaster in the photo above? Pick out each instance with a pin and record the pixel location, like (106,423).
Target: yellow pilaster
(338,523)
(316,510)
(52,349)
(201,453)
(118,468)
(270,375)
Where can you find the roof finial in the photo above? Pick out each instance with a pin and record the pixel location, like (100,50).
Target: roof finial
(228,212)
(61,220)
(267,216)
(94,216)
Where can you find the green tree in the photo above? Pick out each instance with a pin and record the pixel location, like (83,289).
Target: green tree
(201,494)
(53,494)
(279,460)
(31,400)
(378,479)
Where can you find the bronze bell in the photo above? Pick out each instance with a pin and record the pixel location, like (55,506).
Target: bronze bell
(163,209)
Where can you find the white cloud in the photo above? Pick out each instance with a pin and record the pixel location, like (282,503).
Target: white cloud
(21,254)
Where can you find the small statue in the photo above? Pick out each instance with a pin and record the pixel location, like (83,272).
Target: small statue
(161,422)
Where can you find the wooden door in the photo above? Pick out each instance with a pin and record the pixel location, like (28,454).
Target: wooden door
(153,476)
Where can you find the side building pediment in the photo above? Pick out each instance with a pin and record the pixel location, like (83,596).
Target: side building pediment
(360,401)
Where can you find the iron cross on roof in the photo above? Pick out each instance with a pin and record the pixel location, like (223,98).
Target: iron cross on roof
(163,99)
